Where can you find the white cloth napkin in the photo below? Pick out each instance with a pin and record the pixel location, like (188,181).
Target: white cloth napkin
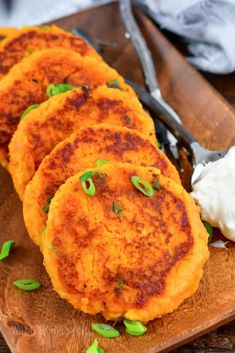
(207,25)
(31,12)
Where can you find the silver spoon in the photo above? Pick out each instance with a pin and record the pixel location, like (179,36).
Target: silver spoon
(154,99)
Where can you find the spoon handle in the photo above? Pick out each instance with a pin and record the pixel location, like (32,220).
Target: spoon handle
(140,45)
(164,112)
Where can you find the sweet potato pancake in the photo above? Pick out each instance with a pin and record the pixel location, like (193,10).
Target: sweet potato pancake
(7,32)
(27,81)
(80,151)
(120,251)
(40,130)
(24,42)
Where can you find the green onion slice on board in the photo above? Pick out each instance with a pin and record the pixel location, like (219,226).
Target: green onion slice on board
(27,284)
(134,328)
(105,330)
(94,348)
(6,248)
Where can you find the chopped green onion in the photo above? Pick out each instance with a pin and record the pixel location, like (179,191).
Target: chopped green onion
(134,328)
(87,183)
(116,208)
(114,84)
(49,90)
(105,330)
(209,229)
(27,284)
(44,28)
(94,348)
(156,184)
(100,162)
(142,185)
(63,87)
(89,187)
(86,176)
(53,90)
(120,285)
(159,145)
(6,248)
(47,206)
(44,230)
(31,107)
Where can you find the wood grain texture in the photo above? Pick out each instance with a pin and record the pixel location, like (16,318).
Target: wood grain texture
(221,340)
(40,321)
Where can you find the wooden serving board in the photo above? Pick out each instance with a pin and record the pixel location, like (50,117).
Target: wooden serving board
(40,321)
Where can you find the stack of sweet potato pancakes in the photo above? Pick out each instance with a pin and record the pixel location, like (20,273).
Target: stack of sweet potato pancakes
(119,234)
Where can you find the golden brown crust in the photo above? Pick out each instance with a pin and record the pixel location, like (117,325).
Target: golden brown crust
(56,119)
(6,32)
(27,81)
(156,247)
(81,151)
(21,43)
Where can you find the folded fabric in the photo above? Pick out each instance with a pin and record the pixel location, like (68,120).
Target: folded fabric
(207,25)
(18,13)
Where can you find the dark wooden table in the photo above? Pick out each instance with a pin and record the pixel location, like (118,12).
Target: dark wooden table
(221,340)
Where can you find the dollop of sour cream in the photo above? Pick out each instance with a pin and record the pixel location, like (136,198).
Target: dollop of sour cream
(214,191)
